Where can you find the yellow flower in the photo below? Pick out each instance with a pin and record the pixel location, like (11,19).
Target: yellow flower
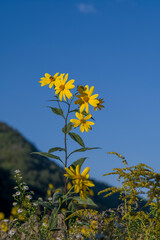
(2,216)
(99,105)
(49,192)
(14,211)
(86,98)
(69,185)
(48,79)
(79,180)
(85,125)
(50,186)
(62,88)
(21,217)
(4,227)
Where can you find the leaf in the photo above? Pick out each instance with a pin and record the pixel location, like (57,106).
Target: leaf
(87,201)
(55,149)
(74,110)
(68,128)
(48,155)
(78,162)
(57,111)
(53,218)
(77,138)
(83,150)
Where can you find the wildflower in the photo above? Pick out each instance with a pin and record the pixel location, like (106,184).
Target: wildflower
(16,187)
(86,98)
(80,181)
(25,187)
(44,224)
(12,232)
(11,217)
(14,211)
(50,186)
(69,185)
(49,192)
(2,216)
(18,193)
(29,197)
(57,191)
(40,199)
(85,125)
(62,88)
(50,198)
(20,210)
(4,227)
(35,204)
(21,217)
(99,105)
(17,171)
(32,192)
(5,220)
(48,79)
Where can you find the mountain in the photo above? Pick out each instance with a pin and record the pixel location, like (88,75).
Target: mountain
(37,171)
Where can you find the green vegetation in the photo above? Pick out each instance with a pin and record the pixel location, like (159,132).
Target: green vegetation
(37,171)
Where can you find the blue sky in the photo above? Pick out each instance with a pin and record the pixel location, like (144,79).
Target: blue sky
(110,44)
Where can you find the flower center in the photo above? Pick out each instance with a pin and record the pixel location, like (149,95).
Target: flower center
(62,87)
(52,79)
(82,121)
(85,98)
(79,176)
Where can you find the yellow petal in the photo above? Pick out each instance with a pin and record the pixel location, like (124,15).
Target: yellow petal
(88,123)
(55,75)
(90,91)
(66,77)
(89,183)
(86,128)
(64,96)
(85,171)
(47,75)
(78,115)
(88,116)
(82,107)
(68,94)
(82,128)
(60,96)
(87,108)
(70,172)
(78,168)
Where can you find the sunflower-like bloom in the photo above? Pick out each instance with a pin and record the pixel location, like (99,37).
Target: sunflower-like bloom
(85,125)
(99,105)
(62,88)
(48,79)
(86,98)
(80,180)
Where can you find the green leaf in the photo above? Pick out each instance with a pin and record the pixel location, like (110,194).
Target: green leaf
(87,201)
(83,150)
(55,149)
(78,162)
(68,128)
(57,111)
(53,219)
(48,155)
(77,138)
(74,110)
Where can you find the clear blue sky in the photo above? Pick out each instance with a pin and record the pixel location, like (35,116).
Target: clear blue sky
(111,44)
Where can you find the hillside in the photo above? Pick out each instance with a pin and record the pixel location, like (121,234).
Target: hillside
(37,171)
